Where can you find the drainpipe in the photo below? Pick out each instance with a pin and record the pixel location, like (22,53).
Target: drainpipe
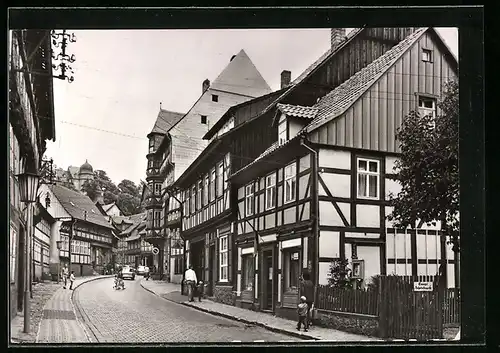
(314,213)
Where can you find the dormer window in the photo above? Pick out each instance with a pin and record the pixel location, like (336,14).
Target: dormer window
(203,119)
(215,98)
(282,130)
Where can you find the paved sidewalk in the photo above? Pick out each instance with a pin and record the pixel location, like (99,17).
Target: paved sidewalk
(59,323)
(172,292)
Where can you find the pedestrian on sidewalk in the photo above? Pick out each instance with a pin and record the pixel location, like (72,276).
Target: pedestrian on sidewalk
(64,274)
(302,311)
(307,290)
(190,280)
(71,280)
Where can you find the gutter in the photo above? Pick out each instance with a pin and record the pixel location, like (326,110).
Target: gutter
(314,214)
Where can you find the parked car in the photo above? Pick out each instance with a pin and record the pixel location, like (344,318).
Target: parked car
(141,270)
(128,273)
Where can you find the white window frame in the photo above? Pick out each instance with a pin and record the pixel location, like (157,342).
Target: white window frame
(249,199)
(206,190)
(213,174)
(368,173)
(282,131)
(223,258)
(271,191)
(193,199)
(200,193)
(426,55)
(220,179)
(289,180)
(425,111)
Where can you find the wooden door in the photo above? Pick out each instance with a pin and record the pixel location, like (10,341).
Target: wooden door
(268,280)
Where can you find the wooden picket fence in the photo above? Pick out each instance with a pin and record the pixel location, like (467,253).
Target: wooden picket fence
(347,300)
(402,312)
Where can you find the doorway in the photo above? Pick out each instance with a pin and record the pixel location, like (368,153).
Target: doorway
(197,259)
(267,257)
(212,271)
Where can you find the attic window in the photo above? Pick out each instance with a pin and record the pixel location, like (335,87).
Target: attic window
(215,98)
(427,55)
(203,119)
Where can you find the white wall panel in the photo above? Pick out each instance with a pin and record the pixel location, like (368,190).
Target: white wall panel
(329,244)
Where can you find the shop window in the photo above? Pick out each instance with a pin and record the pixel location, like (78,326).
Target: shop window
(223,258)
(247,272)
(368,178)
(291,269)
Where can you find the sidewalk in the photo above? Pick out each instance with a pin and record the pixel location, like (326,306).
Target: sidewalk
(172,292)
(58,323)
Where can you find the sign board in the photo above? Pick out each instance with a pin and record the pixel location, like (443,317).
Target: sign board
(423,286)
(295,256)
(155,251)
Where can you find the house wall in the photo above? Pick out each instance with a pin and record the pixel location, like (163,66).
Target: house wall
(357,228)
(41,250)
(371,123)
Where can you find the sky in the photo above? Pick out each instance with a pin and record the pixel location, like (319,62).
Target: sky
(121,76)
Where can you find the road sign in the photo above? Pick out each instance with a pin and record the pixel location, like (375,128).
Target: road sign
(155,251)
(423,286)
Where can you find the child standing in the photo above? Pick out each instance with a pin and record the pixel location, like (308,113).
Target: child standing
(200,290)
(302,311)
(71,279)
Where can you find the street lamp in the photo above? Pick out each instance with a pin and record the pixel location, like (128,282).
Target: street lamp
(59,247)
(28,186)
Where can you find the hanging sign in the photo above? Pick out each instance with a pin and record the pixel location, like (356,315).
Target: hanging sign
(155,251)
(422,286)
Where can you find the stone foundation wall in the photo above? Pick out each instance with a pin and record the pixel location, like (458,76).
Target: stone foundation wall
(225,295)
(355,323)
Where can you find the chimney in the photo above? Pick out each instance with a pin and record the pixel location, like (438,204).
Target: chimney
(205,85)
(286,77)
(337,36)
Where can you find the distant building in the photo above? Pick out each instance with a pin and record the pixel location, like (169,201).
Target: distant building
(75,178)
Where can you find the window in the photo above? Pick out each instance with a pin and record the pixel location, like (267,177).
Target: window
(282,132)
(13,253)
(270,191)
(205,191)
(203,119)
(291,269)
(290,182)
(249,199)
(248,272)
(186,203)
(215,98)
(212,185)
(157,189)
(427,106)
(193,199)
(368,178)
(151,145)
(426,55)
(150,163)
(223,253)
(220,179)
(198,198)
(157,217)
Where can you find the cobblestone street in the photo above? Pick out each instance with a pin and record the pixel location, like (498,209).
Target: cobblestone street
(136,315)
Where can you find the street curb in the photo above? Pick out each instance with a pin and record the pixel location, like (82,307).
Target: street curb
(216,313)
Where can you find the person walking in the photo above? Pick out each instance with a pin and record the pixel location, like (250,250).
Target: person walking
(71,280)
(190,280)
(307,290)
(64,274)
(302,311)
(200,289)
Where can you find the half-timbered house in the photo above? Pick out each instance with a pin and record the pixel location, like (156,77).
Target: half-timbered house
(177,143)
(320,192)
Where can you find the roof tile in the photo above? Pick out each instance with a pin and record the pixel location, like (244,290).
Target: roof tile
(298,111)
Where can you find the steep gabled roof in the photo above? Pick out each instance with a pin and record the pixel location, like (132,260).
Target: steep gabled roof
(165,121)
(76,203)
(344,96)
(241,77)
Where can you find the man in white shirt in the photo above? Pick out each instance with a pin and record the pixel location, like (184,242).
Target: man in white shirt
(190,280)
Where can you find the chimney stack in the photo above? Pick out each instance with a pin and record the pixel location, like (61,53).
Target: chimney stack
(337,36)
(205,85)
(286,77)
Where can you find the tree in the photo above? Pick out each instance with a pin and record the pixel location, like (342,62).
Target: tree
(101,184)
(129,197)
(428,169)
(340,274)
